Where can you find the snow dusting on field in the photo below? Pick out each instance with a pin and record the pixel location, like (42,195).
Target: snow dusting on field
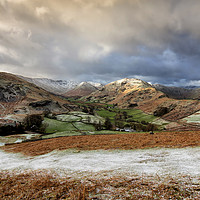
(161,162)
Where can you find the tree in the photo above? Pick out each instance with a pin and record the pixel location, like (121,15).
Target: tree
(151,127)
(108,124)
(33,122)
(125,115)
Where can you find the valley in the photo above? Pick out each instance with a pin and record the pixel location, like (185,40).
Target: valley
(124,140)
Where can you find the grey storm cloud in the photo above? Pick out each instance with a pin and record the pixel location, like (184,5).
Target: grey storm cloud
(102,40)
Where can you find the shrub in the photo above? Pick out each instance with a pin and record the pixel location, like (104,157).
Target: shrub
(161,111)
(33,122)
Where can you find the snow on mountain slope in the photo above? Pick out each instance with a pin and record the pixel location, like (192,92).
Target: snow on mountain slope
(83,89)
(97,85)
(57,86)
(54,86)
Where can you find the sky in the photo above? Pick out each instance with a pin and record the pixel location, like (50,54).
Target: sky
(102,40)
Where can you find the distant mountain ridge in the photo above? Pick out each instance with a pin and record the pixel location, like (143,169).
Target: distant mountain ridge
(78,89)
(58,86)
(174,92)
(54,86)
(190,87)
(179,92)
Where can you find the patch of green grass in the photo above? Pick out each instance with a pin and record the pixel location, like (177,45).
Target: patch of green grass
(61,134)
(68,118)
(57,126)
(84,127)
(139,116)
(107,113)
(136,114)
(132,111)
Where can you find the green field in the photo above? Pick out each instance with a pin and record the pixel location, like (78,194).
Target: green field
(55,126)
(135,114)
(107,113)
(139,115)
(84,127)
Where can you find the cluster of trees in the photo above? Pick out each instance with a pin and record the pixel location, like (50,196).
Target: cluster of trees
(122,119)
(88,109)
(30,123)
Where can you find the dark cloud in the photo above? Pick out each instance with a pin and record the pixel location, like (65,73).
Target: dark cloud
(102,40)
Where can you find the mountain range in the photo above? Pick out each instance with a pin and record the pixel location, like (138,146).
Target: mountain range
(78,89)
(21,95)
(61,87)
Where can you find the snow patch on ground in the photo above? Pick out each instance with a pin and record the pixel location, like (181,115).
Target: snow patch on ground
(195,118)
(161,162)
(2,144)
(18,141)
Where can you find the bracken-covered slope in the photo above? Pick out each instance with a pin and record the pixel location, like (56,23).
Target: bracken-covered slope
(18,96)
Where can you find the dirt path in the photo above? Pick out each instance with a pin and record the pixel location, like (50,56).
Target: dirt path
(122,141)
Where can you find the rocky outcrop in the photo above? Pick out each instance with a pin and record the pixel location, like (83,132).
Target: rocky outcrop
(47,105)
(11,93)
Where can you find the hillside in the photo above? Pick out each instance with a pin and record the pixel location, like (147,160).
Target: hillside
(175,92)
(178,92)
(126,93)
(135,93)
(18,96)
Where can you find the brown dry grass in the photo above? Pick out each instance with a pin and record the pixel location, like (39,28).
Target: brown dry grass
(42,185)
(122,141)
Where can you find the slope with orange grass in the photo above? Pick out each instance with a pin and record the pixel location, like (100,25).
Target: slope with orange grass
(16,95)
(122,141)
